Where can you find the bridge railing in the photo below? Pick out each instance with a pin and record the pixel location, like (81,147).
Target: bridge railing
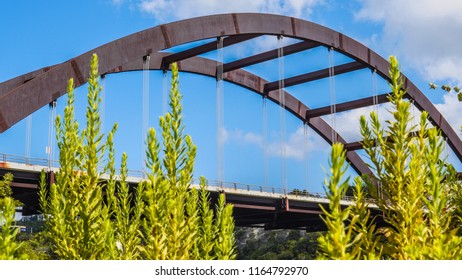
(46,163)
(5,158)
(273,190)
(260,188)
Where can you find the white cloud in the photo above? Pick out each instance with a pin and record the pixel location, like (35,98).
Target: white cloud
(167,10)
(347,123)
(242,137)
(294,146)
(349,120)
(350,129)
(425,34)
(451,108)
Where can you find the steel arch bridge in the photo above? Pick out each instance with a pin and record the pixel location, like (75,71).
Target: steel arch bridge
(21,96)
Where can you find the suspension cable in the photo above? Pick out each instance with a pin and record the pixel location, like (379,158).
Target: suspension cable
(333,104)
(28,135)
(145,110)
(265,139)
(220,110)
(375,96)
(305,155)
(282,109)
(51,132)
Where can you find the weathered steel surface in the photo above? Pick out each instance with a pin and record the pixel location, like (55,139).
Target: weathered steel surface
(23,95)
(9,85)
(205,48)
(346,106)
(265,56)
(316,75)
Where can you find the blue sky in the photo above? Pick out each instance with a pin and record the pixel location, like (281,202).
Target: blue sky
(425,35)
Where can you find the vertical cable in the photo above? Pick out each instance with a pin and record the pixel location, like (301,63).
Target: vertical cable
(414,122)
(164,92)
(28,135)
(145,110)
(305,156)
(282,109)
(375,97)
(375,102)
(333,104)
(220,110)
(446,149)
(265,140)
(103,102)
(51,132)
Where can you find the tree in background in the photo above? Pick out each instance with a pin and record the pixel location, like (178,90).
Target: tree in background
(410,184)
(260,244)
(164,218)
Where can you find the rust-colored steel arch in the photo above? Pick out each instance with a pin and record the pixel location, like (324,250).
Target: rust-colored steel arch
(23,95)
(202,66)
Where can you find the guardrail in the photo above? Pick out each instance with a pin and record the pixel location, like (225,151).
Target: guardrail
(260,188)
(5,158)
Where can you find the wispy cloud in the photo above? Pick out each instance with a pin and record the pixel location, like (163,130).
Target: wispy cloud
(163,10)
(347,123)
(117,2)
(296,145)
(451,108)
(350,127)
(424,34)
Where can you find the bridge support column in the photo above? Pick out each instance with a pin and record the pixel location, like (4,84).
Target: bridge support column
(50,178)
(285,204)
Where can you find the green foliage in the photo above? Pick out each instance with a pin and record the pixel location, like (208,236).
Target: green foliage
(34,246)
(338,240)
(348,235)
(5,189)
(410,186)
(164,218)
(368,243)
(171,230)
(224,227)
(8,232)
(78,220)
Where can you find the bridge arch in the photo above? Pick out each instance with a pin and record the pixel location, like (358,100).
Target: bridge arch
(21,96)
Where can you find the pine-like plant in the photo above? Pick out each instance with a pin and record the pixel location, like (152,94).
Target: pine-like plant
(173,226)
(78,220)
(338,241)
(349,234)
(410,185)
(411,180)
(8,244)
(164,218)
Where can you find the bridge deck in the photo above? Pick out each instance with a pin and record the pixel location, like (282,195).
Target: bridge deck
(255,206)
